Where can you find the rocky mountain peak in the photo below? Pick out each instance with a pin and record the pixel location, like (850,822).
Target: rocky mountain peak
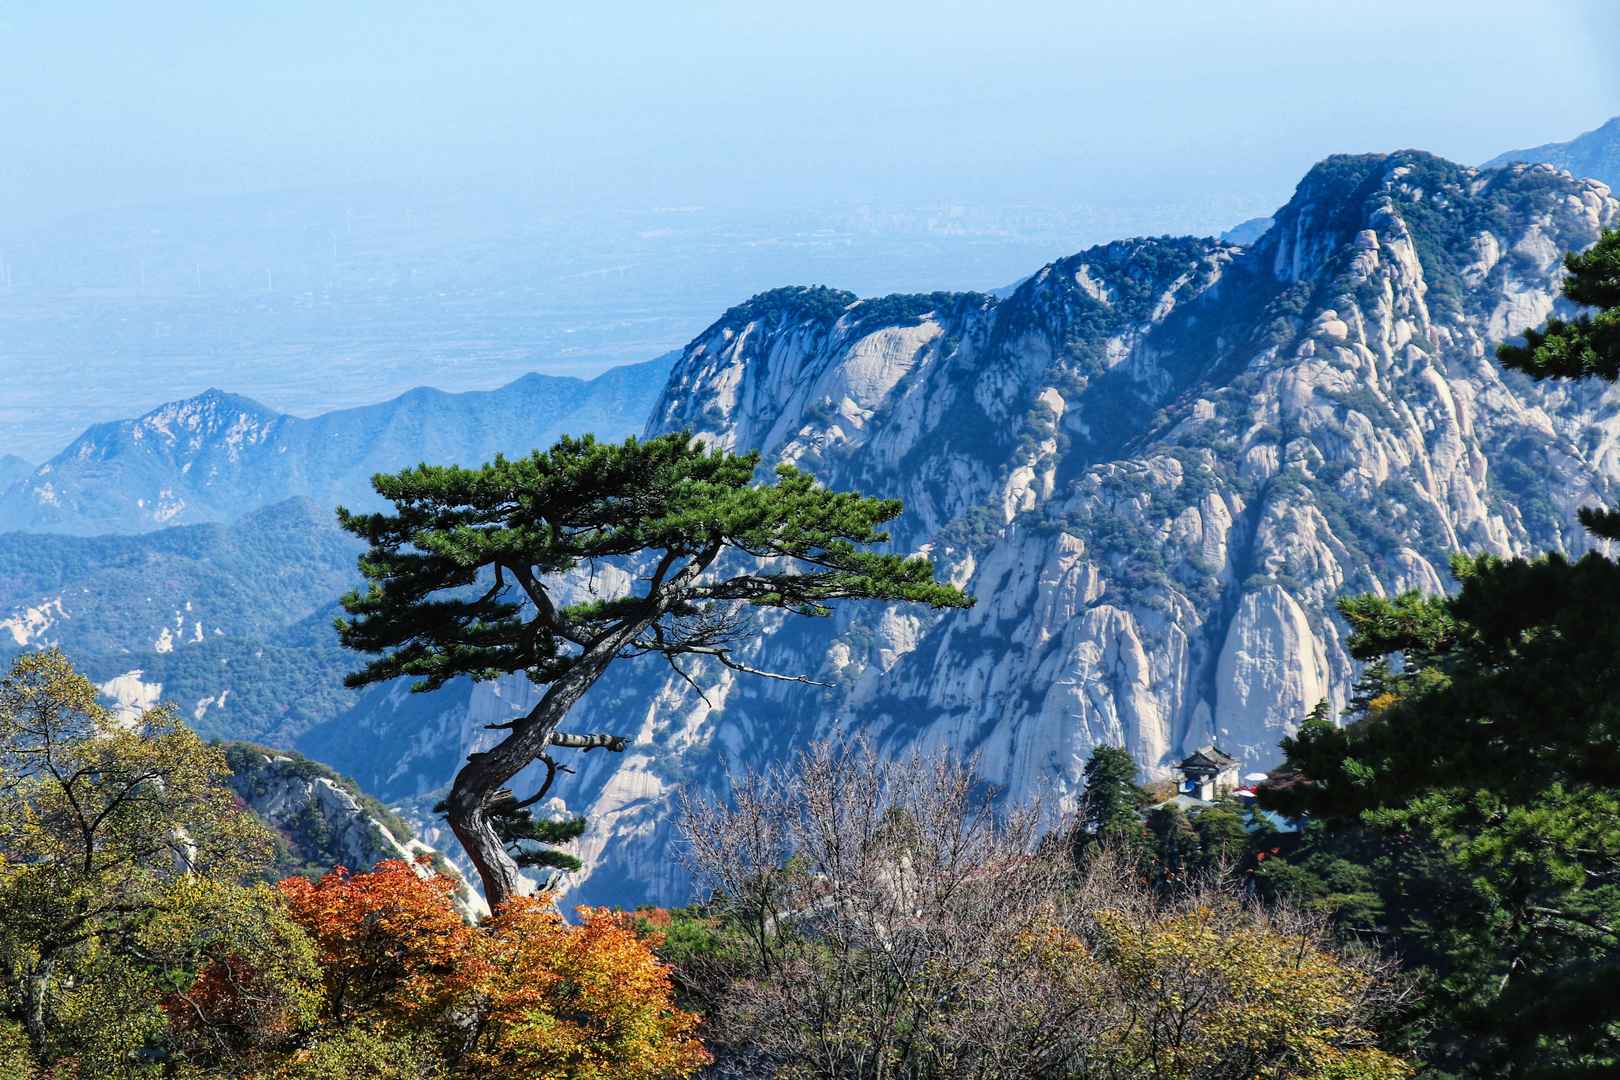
(180,428)
(210,420)
(788,304)
(1156,463)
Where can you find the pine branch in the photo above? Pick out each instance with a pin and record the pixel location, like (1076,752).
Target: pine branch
(614,743)
(725,658)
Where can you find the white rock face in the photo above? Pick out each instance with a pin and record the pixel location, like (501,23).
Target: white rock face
(1272,670)
(285,797)
(129,695)
(1156,465)
(29,625)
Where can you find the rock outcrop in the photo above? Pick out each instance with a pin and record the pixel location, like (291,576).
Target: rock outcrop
(1156,464)
(324,821)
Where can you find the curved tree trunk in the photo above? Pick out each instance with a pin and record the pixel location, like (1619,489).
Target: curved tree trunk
(488,771)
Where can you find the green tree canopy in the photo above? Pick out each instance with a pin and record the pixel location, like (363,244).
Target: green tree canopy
(1487,743)
(110,829)
(467,573)
(1494,747)
(1111,806)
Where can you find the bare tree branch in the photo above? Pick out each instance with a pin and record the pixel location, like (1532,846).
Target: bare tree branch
(551,774)
(670,657)
(615,743)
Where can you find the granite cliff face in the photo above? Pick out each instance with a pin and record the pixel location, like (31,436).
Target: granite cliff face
(321,820)
(1156,464)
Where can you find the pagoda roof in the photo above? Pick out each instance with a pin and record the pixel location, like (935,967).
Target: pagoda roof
(1209,757)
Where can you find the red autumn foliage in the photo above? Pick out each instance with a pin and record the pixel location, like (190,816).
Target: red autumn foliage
(390,944)
(525,995)
(227,1006)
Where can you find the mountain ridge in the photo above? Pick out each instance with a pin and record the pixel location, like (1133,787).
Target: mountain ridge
(210,457)
(1594,153)
(1157,463)
(321,820)
(230,622)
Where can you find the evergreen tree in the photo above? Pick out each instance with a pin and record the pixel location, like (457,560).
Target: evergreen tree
(1341,873)
(1111,808)
(1490,751)
(1588,345)
(530,842)
(1583,347)
(465,576)
(1223,840)
(1177,852)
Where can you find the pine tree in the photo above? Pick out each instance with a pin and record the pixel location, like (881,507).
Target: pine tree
(1223,840)
(531,843)
(1177,852)
(1111,808)
(464,577)
(1587,346)
(1490,752)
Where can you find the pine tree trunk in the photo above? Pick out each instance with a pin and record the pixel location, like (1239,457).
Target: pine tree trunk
(487,772)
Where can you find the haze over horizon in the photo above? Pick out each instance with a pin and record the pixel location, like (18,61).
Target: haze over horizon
(412,195)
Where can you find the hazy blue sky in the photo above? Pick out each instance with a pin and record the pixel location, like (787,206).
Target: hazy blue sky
(763,103)
(321,204)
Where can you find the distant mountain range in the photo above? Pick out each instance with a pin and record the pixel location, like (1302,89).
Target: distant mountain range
(1595,154)
(215,456)
(232,623)
(226,610)
(1247,232)
(229,617)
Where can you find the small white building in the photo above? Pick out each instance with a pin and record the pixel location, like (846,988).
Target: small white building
(1208,773)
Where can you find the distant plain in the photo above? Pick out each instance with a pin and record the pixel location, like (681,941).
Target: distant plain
(320,300)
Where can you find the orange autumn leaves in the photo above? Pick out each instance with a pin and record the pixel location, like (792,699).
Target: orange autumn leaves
(524,994)
(580,1001)
(390,946)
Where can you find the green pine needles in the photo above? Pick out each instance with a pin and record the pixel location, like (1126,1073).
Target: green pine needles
(1483,763)
(467,578)
(1588,345)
